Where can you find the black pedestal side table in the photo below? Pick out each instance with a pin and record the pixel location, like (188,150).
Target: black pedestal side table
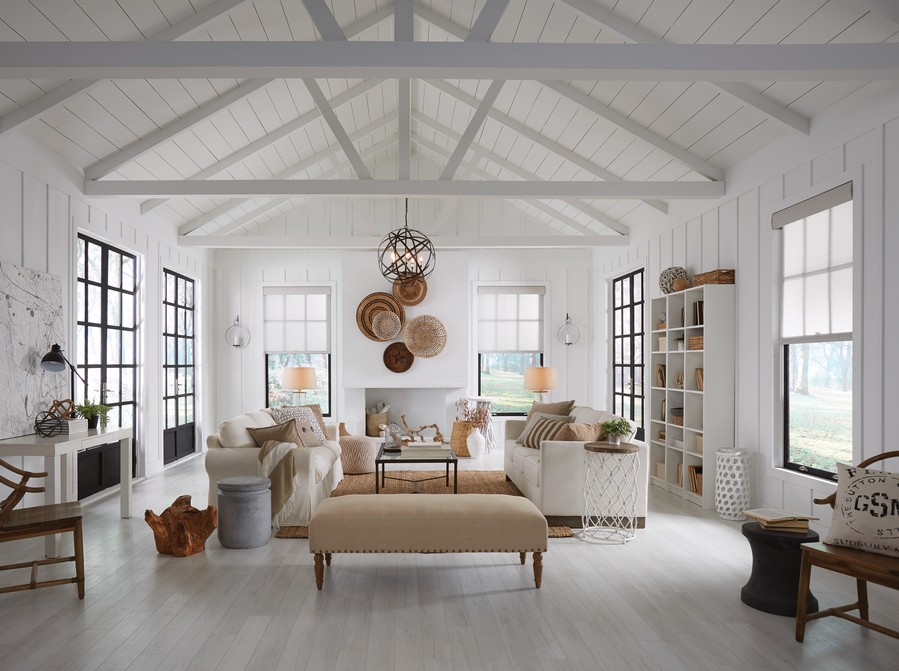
(776,558)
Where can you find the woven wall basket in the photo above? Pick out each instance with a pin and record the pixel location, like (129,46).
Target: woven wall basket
(425,336)
(370,306)
(410,293)
(386,325)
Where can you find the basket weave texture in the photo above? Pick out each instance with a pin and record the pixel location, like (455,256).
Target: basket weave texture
(719,276)
(696,342)
(458,438)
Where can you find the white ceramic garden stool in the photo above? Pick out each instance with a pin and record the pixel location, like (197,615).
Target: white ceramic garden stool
(732,467)
(610,492)
(244,511)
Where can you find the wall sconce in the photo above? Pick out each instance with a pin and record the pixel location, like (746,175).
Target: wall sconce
(539,380)
(300,380)
(568,333)
(236,335)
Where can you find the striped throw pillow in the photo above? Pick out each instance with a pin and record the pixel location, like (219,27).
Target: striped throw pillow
(544,429)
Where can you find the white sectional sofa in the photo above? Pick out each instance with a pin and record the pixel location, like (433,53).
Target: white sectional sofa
(553,475)
(232,451)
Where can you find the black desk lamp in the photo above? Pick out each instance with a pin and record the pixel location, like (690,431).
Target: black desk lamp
(55,361)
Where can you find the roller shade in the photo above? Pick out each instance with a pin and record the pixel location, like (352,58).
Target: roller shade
(297,319)
(510,318)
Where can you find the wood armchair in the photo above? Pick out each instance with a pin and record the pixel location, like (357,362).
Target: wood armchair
(16,524)
(861,565)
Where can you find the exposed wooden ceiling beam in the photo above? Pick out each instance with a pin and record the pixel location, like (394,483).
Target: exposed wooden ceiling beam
(343,138)
(403,21)
(32,110)
(474,125)
(135,150)
(590,211)
(886,8)
(325,154)
(746,94)
(450,60)
(324,20)
(369,20)
(266,140)
(485,24)
(404,31)
(538,138)
(390,188)
(440,242)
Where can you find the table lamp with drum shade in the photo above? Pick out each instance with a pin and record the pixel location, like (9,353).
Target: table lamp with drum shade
(300,380)
(540,380)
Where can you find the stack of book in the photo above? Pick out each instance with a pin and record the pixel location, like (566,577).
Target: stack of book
(695,478)
(74,426)
(430,450)
(780,520)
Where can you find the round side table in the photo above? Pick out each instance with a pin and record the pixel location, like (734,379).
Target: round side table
(773,585)
(610,492)
(244,511)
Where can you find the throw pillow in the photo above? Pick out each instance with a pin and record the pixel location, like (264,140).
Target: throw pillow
(557,408)
(866,511)
(308,436)
(544,429)
(283,433)
(285,412)
(532,420)
(301,413)
(579,432)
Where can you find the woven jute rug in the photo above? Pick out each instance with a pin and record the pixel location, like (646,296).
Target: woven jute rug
(470,482)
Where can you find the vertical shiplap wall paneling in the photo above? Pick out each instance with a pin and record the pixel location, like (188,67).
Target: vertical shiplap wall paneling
(709,253)
(747,398)
(252,359)
(726,231)
(227,300)
(891,270)
(867,151)
(34,244)
(13,219)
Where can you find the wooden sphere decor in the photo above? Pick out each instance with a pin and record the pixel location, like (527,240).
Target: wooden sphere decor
(681,283)
(668,276)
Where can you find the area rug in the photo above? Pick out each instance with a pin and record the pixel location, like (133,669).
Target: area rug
(470,482)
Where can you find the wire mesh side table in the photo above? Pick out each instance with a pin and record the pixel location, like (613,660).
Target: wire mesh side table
(610,492)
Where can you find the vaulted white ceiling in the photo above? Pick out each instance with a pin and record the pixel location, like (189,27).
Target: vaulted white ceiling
(588,116)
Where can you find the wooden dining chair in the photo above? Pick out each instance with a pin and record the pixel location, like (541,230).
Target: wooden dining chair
(37,521)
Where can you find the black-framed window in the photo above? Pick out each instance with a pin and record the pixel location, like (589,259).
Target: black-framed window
(297,333)
(817,331)
(627,347)
(179,358)
(106,328)
(510,340)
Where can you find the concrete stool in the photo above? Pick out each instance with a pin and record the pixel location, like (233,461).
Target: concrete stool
(245,511)
(357,454)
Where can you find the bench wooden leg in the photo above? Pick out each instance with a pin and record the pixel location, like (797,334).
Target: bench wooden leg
(522,556)
(319,570)
(328,558)
(538,568)
(805,574)
(862,589)
(79,558)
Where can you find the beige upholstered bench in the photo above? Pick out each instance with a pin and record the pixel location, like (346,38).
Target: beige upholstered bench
(427,523)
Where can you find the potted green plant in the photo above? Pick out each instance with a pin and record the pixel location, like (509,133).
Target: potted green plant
(95,413)
(615,428)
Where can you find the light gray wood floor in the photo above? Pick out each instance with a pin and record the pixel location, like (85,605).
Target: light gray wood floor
(669,600)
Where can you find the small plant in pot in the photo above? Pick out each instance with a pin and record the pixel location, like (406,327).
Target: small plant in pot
(95,413)
(615,428)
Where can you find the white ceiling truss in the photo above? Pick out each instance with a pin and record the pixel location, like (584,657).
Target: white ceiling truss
(587,116)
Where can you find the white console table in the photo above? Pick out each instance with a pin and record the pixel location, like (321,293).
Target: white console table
(60,455)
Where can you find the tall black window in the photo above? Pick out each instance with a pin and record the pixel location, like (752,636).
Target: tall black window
(627,347)
(179,435)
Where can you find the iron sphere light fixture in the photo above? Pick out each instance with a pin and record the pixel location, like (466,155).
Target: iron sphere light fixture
(405,254)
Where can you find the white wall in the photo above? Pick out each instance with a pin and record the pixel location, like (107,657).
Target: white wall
(860,137)
(43,211)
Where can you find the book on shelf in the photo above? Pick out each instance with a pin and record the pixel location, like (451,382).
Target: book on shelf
(680,475)
(695,478)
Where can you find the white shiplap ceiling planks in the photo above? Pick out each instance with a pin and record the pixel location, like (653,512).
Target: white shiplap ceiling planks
(554,131)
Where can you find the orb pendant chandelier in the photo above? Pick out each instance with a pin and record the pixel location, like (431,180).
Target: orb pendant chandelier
(406,255)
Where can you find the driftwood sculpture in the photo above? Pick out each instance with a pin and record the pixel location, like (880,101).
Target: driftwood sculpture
(181,530)
(412,433)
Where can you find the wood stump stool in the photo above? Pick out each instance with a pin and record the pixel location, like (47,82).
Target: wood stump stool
(181,530)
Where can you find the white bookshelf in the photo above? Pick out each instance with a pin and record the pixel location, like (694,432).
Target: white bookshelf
(708,413)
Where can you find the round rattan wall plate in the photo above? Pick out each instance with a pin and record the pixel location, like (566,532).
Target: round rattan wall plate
(425,336)
(398,358)
(386,325)
(410,293)
(372,305)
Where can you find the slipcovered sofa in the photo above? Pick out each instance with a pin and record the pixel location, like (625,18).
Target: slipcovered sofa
(553,475)
(232,451)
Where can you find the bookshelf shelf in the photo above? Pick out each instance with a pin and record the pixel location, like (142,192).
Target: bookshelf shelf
(694,424)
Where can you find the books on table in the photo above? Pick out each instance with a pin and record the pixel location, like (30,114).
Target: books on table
(428,450)
(780,520)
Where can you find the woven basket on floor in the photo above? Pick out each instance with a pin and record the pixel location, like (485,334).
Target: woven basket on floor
(459,438)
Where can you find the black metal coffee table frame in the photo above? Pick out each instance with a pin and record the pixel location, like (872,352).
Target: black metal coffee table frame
(385,458)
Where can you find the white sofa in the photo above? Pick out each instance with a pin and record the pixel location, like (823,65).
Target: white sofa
(553,476)
(232,451)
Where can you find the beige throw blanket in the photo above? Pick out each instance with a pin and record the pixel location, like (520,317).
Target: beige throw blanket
(276,462)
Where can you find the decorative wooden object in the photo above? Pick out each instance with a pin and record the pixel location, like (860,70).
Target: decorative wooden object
(181,530)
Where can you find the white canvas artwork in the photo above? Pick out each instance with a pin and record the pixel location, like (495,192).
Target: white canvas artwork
(30,323)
